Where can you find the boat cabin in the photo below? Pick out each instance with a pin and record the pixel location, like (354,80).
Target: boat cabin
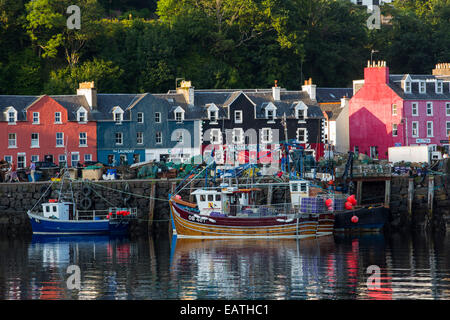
(58,210)
(226,201)
(299,189)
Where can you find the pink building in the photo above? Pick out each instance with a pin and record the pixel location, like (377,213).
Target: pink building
(389,110)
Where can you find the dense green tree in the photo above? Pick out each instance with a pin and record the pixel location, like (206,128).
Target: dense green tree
(213,43)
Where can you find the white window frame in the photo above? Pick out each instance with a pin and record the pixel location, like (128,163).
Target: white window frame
(422,87)
(430,103)
(34,142)
(407,86)
(158,137)
(11,114)
(19,164)
(236,118)
(415,126)
(36,118)
(8,158)
(178,114)
(87,157)
(395,129)
(239,134)
(82,139)
(428,128)
(213,113)
(118,116)
(77,154)
(415,109)
(447,109)
(305,135)
(58,145)
(35,158)
(439,86)
(141,116)
(140,137)
(79,113)
(12,145)
(118,138)
(447,128)
(62,158)
(215,133)
(58,114)
(266,135)
(157,117)
(179,136)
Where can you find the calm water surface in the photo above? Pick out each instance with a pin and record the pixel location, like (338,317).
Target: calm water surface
(335,267)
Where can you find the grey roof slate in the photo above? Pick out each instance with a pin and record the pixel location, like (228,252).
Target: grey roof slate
(332,94)
(20,103)
(395,85)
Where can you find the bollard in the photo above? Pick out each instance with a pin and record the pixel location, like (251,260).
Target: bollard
(430,196)
(151,210)
(410,195)
(359,185)
(387,193)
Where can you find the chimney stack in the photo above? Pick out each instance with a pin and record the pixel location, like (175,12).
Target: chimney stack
(441,69)
(187,90)
(276,91)
(310,89)
(88,90)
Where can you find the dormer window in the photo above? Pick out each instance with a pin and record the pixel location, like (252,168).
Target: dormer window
(422,87)
(439,86)
(11,115)
(82,115)
(179,114)
(301,111)
(406,84)
(213,113)
(117,115)
(270,110)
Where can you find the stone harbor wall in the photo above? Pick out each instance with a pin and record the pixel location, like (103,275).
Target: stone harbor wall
(150,198)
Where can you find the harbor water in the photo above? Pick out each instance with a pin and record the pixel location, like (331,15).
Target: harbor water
(356,267)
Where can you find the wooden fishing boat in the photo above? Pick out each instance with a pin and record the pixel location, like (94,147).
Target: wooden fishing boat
(230,212)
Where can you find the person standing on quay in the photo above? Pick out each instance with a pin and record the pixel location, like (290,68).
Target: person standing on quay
(32,171)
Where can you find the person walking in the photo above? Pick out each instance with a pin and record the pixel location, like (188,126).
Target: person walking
(32,171)
(13,173)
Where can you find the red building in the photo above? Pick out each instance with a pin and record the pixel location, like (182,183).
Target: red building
(390,110)
(41,128)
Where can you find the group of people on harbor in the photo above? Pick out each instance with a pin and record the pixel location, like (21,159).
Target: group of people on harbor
(11,174)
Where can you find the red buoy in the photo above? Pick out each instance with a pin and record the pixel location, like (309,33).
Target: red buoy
(348,205)
(355,219)
(328,202)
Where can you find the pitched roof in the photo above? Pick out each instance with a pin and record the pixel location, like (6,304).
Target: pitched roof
(430,94)
(324,95)
(20,103)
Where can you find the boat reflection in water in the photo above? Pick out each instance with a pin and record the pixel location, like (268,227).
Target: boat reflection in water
(227,268)
(56,253)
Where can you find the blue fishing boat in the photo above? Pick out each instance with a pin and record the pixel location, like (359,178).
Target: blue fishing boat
(61,215)
(58,218)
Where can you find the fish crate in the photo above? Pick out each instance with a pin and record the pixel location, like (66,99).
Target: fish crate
(92,174)
(73,173)
(312,205)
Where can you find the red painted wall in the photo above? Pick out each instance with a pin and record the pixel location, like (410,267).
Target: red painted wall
(47,129)
(370,114)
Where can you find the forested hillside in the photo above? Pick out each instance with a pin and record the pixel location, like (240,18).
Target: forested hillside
(144,45)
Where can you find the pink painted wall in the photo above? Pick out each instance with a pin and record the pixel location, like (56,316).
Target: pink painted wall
(370,114)
(439,119)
